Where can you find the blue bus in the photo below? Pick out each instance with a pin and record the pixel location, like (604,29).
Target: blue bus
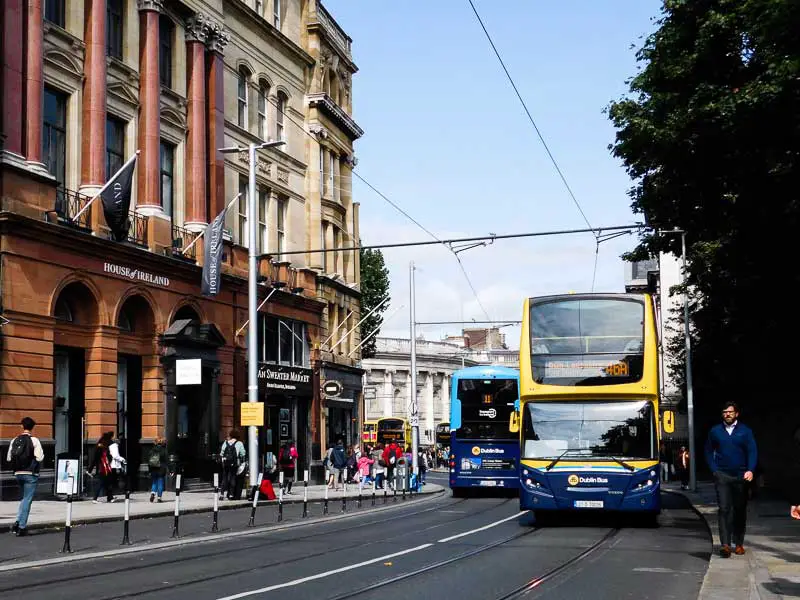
(484,451)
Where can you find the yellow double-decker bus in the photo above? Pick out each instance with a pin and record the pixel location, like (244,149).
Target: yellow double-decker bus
(393,429)
(369,435)
(589,430)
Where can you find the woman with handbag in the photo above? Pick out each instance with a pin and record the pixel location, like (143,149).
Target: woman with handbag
(101,465)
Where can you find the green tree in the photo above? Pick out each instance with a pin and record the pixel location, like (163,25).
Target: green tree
(710,134)
(374,288)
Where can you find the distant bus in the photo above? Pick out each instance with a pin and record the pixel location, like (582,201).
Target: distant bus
(484,446)
(589,391)
(369,435)
(393,429)
(443,434)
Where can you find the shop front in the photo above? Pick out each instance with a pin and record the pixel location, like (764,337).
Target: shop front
(343,414)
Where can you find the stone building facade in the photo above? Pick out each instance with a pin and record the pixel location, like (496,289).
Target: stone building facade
(94,329)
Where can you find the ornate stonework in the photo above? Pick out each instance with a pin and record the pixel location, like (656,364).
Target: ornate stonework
(218,38)
(283,176)
(262,166)
(198,28)
(318,131)
(153,5)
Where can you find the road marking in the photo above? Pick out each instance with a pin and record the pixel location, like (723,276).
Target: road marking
(324,574)
(484,528)
(460,512)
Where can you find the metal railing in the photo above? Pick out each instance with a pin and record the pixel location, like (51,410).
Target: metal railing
(137,229)
(68,204)
(182,237)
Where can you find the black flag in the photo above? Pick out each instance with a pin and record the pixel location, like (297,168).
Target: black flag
(116,197)
(212,253)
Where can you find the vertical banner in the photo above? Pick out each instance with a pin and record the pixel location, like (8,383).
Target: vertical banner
(212,252)
(116,198)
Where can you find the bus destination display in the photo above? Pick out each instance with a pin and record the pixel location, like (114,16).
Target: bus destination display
(585,368)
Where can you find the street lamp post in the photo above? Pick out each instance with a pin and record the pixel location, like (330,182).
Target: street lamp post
(414,406)
(688,362)
(252,298)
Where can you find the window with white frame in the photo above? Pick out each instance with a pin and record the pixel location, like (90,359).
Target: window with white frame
(263,211)
(263,96)
(241,224)
(280,132)
(321,171)
(332,160)
(244,76)
(281,225)
(283,341)
(276,14)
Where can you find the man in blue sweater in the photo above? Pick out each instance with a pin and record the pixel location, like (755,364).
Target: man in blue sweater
(731,455)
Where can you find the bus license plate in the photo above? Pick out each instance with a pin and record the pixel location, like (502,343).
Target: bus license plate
(588,504)
(486,483)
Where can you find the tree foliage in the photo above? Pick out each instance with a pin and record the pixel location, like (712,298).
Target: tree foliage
(374,288)
(710,134)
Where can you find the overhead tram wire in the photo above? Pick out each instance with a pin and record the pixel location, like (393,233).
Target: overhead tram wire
(621,229)
(396,207)
(541,137)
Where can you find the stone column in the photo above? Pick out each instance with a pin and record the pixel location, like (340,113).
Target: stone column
(388,393)
(330,242)
(93,134)
(101,383)
(355,232)
(148,196)
(446,398)
(315,261)
(153,409)
(12,84)
(345,179)
(196,214)
(218,38)
(34,84)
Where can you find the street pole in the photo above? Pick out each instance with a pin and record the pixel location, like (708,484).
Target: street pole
(689,389)
(252,314)
(414,407)
(252,298)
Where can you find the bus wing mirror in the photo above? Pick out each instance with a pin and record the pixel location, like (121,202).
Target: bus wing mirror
(668,420)
(513,424)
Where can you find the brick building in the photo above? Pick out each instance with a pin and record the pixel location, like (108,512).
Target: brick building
(94,327)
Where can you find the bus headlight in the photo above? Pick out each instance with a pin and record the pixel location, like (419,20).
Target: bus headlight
(642,485)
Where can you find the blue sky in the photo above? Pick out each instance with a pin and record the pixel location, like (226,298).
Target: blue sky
(447,140)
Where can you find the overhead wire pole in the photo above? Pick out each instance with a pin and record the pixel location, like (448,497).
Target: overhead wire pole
(252,300)
(414,406)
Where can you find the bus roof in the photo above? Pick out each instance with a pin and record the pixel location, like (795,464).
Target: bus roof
(486,371)
(589,295)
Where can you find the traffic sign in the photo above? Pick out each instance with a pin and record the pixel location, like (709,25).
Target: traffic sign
(332,388)
(369,393)
(414,420)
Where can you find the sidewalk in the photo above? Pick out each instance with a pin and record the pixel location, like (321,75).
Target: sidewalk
(50,514)
(771,567)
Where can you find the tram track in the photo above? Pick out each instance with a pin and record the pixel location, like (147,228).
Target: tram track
(246,549)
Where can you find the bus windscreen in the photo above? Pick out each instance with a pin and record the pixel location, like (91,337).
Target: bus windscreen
(486,407)
(587,341)
(592,430)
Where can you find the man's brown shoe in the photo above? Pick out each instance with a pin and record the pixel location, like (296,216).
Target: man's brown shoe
(725,551)
(739,550)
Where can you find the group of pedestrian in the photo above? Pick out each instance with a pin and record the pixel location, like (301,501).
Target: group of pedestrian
(676,465)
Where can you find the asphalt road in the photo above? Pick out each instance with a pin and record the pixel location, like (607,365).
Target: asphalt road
(473,548)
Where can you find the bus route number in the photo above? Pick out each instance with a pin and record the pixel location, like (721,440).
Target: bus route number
(619,369)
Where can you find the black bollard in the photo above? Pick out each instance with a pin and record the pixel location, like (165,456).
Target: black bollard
(373,487)
(305,495)
(325,503)
(68,525)
(344,491)
(280,497)
(175,525)
(215,520)
(126,541)
(394,490)
(252,521)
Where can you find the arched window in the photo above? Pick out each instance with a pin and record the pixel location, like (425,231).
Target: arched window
(280,132)
(263,97)
(124,321)
(63,311)
(244,77)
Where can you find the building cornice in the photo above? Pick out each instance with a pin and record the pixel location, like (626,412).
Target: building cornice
(333,111)
(325,280)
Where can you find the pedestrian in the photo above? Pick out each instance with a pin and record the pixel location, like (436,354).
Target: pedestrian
(287,459)
(683,467)
(25,455)
(663,457)
(731,455)
(232,455)
(118,463)
(157,464)
(364,467)
(377,457)
(101,465)
(423,466)
(338,462)
(391,455)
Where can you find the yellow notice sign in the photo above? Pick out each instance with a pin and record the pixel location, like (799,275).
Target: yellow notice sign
(669,421)
(252,414)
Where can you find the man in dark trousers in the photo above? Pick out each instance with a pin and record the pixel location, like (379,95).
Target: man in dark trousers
(731,455)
